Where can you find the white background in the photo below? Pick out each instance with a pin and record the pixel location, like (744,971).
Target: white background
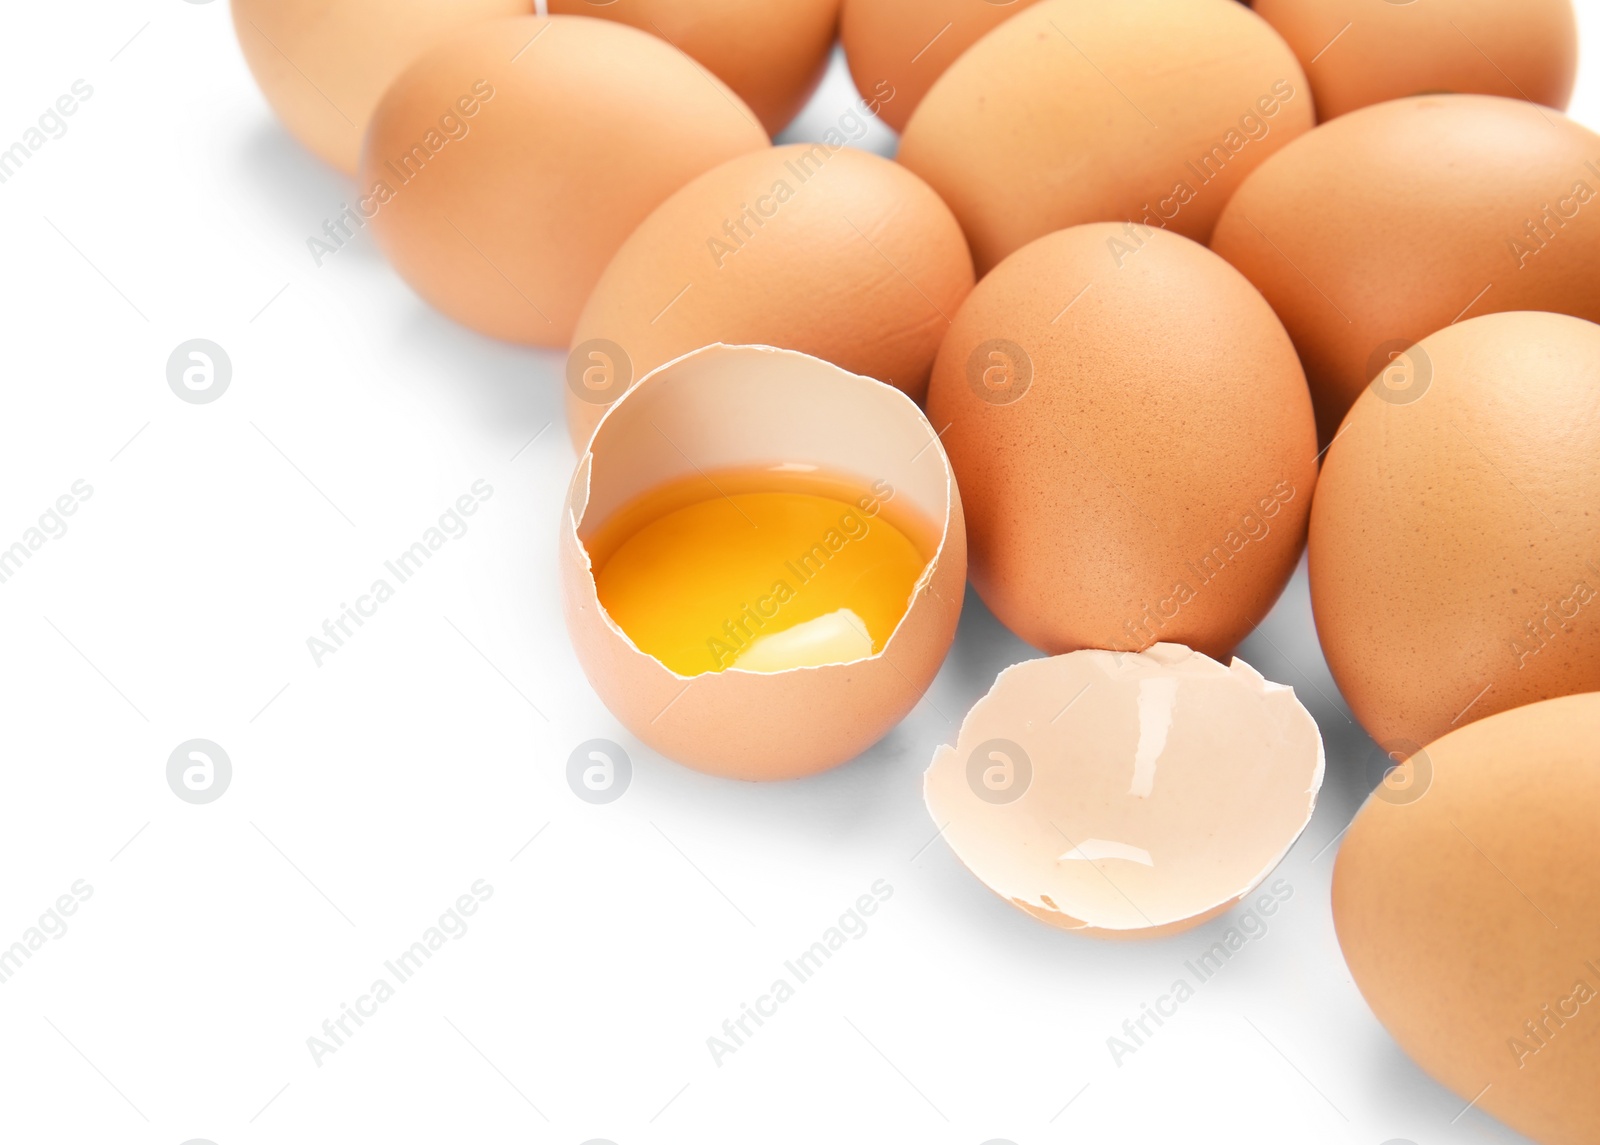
(370,792)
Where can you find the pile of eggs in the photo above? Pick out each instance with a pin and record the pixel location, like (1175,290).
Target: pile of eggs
(1156,294)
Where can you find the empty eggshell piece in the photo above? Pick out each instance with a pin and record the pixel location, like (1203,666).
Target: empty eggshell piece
(834,252)
(1134,442)
(506,166)
(897,48)
(1455,542)
(725,407)
(1150,111)
(1465,906)
(1127,794)
(1357,52)
(1367,234)
(772,55)
(324,64)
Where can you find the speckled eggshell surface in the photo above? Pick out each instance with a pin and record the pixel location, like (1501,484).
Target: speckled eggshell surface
(1134,442)
(1360,52)
(1455,538)
(1467,916)
(834,252)
(1389,223)
(772,55)
(1146,110)
(506,166)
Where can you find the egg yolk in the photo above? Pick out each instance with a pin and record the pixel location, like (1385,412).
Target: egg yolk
(763,571)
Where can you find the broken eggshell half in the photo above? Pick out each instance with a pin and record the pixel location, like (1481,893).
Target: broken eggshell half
(1127,794)
(741,407)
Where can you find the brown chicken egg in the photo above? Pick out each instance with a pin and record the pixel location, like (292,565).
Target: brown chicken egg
(824,249)
(719,419)
(324,64)
(1359,52)
(1134,442)
(1386,224)
(1128,794)
(1149,111)
(772,55)
(1465,904)
(897,48)
(1455,536)
(505,167)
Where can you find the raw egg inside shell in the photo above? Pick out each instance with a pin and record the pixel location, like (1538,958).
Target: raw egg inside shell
(763,558)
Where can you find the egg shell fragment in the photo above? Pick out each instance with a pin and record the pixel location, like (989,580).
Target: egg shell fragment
(1150,111)
(738,406)
(579,129)
(831,251)
(1127,794)
(1455,537)
(1466,907)
(1394,221)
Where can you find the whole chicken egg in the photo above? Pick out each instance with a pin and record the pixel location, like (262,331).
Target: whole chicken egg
(1394,221)
(897,48)
(324,64)
(1464,901)
(1145,111)
(772,55)
(1134,442)
(824,249)
(1455,537)
(505,167)
(1359,52)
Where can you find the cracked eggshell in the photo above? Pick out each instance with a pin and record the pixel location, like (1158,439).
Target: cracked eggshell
(1465,904)
(1369,233)
(1127,794)
(745,406)
(1357,53)
(324,64)
(1073,112)
(772,55)
(1134,441)
(1455,537)
(504,218)
(851,258)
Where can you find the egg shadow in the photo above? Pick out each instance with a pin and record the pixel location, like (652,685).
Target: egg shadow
(291,189)
(515,390)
